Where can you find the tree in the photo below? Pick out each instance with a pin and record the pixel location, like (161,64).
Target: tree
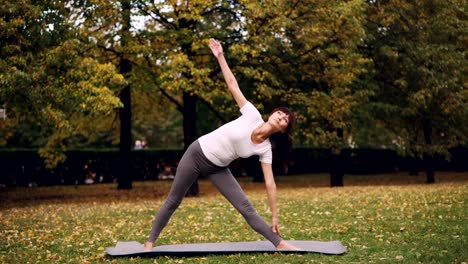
(418,49)
(305,54)
(273,47)
(46,76)
(125,67)
(107,25)
(155,120)
(152,55)
(177,58)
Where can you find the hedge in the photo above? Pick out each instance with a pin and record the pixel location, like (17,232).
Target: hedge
(22,167)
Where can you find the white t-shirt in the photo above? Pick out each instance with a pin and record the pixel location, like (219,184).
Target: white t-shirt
(233,140)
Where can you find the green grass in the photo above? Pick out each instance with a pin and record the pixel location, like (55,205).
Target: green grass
(380,218)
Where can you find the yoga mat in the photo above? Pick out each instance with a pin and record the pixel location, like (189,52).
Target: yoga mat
(133,248)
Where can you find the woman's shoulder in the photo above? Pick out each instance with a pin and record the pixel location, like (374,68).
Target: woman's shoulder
(248,107)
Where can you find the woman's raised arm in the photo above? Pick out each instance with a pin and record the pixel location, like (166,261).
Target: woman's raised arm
(231,81)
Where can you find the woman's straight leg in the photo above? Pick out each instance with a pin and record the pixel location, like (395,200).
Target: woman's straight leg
(186,174)
(230,188)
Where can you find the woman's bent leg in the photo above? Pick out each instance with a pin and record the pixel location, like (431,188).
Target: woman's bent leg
(230,188)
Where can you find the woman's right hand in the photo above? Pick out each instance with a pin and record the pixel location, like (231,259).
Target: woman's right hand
(216,48)
(275,227)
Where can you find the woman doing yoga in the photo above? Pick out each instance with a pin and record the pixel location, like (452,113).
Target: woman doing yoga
(211,154)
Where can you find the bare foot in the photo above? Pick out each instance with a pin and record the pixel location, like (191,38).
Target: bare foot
(148,246)
(283,245)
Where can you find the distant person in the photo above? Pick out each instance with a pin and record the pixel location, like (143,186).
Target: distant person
(166,173)
(138,144)
(89,175)
(211,154)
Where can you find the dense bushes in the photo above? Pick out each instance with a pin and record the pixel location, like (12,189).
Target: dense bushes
(21,167)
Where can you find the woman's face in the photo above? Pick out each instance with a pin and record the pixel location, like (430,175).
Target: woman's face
(279,120)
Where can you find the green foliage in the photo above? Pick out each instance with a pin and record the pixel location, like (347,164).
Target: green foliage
(306,55)
(175,39)
(419,54)
(377,70)
(45,75)
(155,120)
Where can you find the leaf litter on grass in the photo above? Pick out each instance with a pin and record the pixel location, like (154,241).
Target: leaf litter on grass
(379,224)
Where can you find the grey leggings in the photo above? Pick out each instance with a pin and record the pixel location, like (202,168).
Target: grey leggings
(193,164)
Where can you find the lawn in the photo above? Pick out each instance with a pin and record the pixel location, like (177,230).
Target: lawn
(380,218)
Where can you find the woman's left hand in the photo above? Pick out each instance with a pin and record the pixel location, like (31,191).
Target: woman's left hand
(216,48)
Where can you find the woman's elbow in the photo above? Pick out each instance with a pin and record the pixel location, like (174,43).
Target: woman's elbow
(232,83)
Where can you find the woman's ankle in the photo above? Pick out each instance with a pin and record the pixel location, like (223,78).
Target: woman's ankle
(283,245)
(149,246)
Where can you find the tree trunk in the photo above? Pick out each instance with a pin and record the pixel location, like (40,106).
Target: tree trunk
(125,147)
(254,169)
(428,157)
(337,170)
(190,131)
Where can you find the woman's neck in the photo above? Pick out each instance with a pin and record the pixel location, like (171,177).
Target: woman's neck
(262,133)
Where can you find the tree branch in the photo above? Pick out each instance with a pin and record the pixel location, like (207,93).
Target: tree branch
(156,16)
(180,107)
(118,54)
(293,7)
(218,8)
(217,114)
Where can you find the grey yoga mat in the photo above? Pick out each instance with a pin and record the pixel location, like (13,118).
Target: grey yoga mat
(133,248)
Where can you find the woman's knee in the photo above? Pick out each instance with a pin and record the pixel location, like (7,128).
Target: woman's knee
(172,204)
(246,208)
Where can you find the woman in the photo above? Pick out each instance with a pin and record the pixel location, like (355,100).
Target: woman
(211,154)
